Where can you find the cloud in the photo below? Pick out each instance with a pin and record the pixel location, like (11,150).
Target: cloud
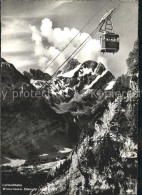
(13,26)
(90,51)
(14,45)
(57,40)
(15,41)
(22,10)
(19,62)
(102,60)
(39,49)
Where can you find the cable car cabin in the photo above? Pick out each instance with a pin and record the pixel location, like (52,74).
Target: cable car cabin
(109,43)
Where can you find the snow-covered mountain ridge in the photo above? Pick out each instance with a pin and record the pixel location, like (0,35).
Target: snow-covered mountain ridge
(76,80)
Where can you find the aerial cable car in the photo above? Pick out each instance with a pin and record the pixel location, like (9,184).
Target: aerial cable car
(109,40)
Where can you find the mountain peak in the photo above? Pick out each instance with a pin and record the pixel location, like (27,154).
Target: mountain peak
(6,65)
(37,74)
(78,78)
(10,74)
(70,65)
(3,60)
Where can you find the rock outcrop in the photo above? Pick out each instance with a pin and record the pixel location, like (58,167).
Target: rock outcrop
(80,108)
(105,159)
(28,122)
(106,153)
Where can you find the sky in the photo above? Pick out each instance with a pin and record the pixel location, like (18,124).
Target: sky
(35,31)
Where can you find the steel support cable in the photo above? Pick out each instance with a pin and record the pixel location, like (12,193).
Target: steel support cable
(93,33)
(83,43)
(88,37)
(75,36)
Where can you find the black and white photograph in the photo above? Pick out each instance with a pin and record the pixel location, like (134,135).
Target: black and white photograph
(69,97)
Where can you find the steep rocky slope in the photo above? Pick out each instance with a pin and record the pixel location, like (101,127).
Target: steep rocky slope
(29,126)
(10,75)
(78,79)
(37,74)
(86,108)
(29,122)
(12,80)
(33,128)
(105,159)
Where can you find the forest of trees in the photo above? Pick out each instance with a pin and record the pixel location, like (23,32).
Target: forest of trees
(132,61)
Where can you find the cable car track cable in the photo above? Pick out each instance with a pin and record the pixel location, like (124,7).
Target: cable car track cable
(95,32)
(89,36)
(86,40)
(75,36)
(92,35)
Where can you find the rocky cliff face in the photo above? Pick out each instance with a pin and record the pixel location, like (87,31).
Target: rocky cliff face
(37,74)
(28,122)
(12,80)
(10,75)
(79,109)
(78,79)
(105,159)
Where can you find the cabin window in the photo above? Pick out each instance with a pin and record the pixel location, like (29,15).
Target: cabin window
(113,39)
(107,38)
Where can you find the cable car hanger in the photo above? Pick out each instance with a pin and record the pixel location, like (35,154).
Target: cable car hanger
(109,40)
(101,23)
(75,36)
(106,22)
